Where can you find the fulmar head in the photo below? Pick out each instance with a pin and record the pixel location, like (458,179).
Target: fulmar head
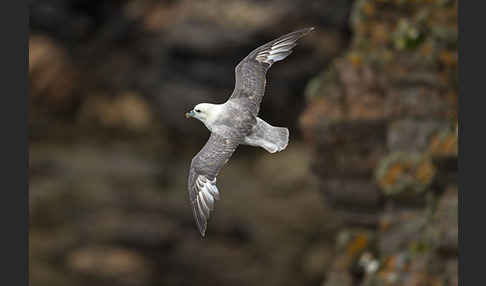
(205,112)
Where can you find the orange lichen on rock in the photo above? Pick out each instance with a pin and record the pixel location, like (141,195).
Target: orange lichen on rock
(354,246)
(425,171)
(355,59)
(403,172)
(394,172)
(448,58)
(444,144)
(393,266)
(357,245)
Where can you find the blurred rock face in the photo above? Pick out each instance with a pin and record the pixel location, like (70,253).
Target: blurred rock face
(52,74)
(110,147)
(368,197)
(383,120)
(175,54)
(113,214)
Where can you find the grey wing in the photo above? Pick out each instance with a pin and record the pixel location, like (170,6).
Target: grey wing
(205,166)
(251,71)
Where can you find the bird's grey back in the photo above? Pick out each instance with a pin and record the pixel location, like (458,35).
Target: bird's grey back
(236,121)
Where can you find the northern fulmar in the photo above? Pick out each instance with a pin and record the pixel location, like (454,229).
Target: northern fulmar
(235,122)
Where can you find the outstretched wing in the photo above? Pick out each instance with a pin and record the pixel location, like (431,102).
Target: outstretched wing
(205,166)
(251,71)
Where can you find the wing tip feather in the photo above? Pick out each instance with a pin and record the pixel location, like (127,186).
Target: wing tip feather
(204,194)
(280,48)
(201,221)
(309,29)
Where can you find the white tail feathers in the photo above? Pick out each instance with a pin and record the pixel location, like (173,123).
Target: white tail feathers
(271,138)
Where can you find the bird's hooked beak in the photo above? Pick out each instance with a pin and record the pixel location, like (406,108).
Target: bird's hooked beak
(190,114)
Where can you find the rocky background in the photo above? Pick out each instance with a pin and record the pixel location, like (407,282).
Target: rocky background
(365,193)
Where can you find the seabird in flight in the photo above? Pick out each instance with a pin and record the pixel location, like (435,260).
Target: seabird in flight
(236,122)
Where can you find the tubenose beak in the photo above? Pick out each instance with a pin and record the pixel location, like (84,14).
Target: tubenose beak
(190,114)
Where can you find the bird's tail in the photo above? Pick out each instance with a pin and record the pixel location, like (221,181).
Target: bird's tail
(271,138)
(281,138)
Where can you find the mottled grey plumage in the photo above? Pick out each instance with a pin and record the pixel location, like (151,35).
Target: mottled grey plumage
(251,71)
(235,122)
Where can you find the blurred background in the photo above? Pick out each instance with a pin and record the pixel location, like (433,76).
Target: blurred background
(365,193)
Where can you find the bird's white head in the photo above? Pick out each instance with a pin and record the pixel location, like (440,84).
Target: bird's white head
(205,112)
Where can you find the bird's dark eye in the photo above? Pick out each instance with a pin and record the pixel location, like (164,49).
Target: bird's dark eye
(197,110)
